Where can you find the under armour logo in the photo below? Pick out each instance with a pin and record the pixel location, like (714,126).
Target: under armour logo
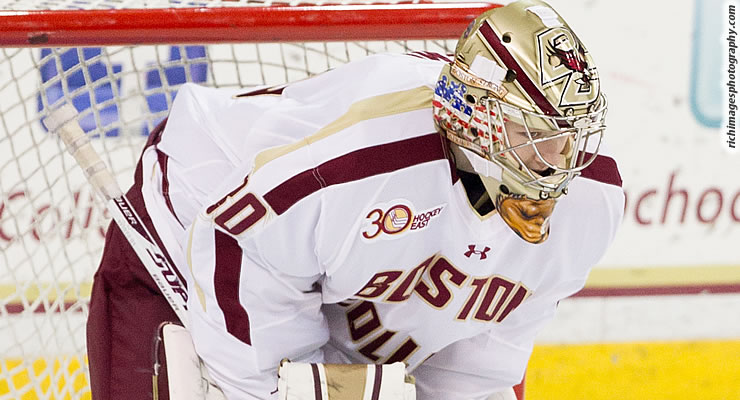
(472,250)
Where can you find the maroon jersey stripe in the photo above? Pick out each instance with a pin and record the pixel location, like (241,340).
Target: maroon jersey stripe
(429,55)
(357,165)
(226,283)
(603,169)
(135,199)
(155,136)
(377,381)
(316,381)
(282,197)
(274,90)
(163,160)
(218,204)
(534,93)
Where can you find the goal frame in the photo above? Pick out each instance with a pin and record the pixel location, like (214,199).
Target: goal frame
(63,28)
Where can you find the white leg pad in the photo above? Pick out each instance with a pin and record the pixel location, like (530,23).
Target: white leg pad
(187,376)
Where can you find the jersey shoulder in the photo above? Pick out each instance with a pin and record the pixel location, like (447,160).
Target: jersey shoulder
(586,220)
(340,127)
(369,76)
(367,114)
(604,170)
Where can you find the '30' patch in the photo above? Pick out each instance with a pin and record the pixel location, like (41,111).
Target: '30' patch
(391,220)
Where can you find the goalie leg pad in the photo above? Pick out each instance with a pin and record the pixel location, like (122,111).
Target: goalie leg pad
(187,376)
(302,381)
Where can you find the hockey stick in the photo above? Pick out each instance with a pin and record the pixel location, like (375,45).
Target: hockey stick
(63,122)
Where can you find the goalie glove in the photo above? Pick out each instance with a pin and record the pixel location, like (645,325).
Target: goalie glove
(302,381)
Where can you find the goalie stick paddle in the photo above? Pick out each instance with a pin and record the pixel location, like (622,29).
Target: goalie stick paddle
(63,122)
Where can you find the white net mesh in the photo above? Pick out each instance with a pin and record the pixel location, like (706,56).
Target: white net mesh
(51,226)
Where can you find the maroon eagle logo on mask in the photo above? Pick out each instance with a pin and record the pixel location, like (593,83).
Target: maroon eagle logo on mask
(571,56)
(565,67)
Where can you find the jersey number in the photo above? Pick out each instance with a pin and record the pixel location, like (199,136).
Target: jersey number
(237,211)
(365,326)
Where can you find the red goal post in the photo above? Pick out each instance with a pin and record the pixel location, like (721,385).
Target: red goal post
(120,65)
(277,23)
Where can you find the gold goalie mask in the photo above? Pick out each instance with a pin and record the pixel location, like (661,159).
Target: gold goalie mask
(522,108)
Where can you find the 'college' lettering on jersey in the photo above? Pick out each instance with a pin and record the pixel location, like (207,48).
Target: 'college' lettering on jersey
(493,297)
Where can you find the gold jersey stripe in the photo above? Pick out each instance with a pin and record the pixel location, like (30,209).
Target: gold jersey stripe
(198,289)
(374,107)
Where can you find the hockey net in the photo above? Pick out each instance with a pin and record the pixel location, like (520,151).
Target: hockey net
(80,51)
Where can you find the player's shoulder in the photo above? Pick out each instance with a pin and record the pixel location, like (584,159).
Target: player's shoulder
(587,218)
(418,61)
(366,119)
(598,187)
(603,169)
(305,172)
(388,65)
(350,130)
(599,183)
(203,97)
(370,76)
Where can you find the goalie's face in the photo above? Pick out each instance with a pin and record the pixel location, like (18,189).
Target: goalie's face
(544,153)
(537,149)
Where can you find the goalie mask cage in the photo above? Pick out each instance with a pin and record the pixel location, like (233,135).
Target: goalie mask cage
(120,63)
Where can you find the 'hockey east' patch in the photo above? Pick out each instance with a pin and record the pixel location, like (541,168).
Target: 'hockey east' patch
(395,219)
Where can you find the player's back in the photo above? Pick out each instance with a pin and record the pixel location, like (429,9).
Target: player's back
(212,134)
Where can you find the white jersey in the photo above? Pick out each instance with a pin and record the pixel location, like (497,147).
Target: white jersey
(326,223)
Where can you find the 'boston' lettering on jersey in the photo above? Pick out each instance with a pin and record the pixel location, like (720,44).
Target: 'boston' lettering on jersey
(432,281)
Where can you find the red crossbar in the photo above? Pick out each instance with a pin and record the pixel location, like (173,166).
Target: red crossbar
(49,28)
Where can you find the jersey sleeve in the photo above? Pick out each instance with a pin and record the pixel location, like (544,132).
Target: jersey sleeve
(251,277)
(255,288)
(254,297)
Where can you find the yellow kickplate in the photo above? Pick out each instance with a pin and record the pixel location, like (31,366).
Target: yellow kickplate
(706,370)
(674,370)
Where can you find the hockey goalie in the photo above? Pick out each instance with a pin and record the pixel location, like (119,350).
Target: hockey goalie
(403,225)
